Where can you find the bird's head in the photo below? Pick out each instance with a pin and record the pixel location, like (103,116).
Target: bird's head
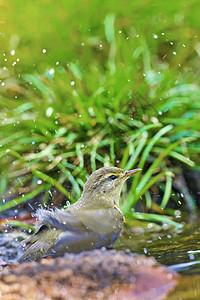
(105,184)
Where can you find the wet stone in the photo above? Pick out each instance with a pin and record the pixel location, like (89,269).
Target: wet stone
(97,274)
(10,247)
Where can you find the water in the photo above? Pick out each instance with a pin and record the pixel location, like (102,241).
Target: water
(179,249)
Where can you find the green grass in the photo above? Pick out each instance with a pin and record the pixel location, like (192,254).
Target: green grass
(124,92)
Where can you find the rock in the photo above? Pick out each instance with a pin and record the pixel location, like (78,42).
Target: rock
(97,274)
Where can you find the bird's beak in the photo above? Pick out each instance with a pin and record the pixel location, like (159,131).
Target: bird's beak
(131,172)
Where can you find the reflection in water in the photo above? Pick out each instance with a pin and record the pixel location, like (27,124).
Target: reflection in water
(187,289)
(184,267)
(177,248)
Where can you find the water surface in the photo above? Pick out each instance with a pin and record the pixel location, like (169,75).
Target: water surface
(179,249)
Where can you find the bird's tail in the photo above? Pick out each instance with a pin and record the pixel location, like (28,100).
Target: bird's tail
(38,244)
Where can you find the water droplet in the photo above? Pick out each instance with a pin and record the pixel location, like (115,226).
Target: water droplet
(72,82)
(12,52)
(177,213)
(39,181)
(51,71)
(174,53)
(44,50)
(49,111)
(155,36)
(67,203)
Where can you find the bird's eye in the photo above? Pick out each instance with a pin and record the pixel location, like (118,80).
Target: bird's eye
(113,177)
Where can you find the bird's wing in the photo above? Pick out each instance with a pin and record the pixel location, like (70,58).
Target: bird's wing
(52,225)
(102,227)
(102,220)
(76,242)
(58,219)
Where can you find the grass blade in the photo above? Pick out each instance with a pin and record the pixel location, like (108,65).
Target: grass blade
(149,147)
(137,152)
(147,176)
(55,183)
(177,156)
(151,169)
(155,218)
(168,189)
(43,176)
(21,199)
(148,199)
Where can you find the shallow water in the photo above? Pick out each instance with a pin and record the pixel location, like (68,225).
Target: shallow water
(179,249)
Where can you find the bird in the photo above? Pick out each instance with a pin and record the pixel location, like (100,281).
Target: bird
(94,221)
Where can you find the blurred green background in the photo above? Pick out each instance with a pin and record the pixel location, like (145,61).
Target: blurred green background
(74,30)
(90,83)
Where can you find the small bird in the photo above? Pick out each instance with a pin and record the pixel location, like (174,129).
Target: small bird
(94,221)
